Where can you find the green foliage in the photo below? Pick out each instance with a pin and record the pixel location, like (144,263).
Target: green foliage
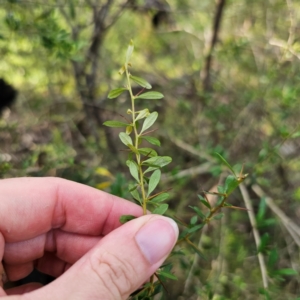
(250,115)
(132,137)
(138,168)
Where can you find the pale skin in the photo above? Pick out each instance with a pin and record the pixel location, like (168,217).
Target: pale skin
(72,232)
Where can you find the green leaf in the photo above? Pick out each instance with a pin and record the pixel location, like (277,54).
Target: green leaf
(132,187)
(198,211)
(149,121)
(125,139)
(153,181)
(147,152)
(129,51)
(140,81)
(167,275)
(150,96)
(142,114)
(263,242)
(126,218)
(128,129)
(156,162)
(194,220)
(225,163)
(221,189)
(152,140)
(161,197)
(195,228)
(261,210)
(295,135)
(135,194)
(273,258)
(115,124)
(204,201)
(266,222)
(183,233)
(116,92)
(134,170)
(231,183)
(160,210)
(287,272)
(218,216)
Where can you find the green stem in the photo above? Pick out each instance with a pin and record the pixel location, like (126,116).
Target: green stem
(136,144)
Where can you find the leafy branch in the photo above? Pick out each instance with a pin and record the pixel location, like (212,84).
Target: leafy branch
(145,166)
(143,162)
(232,181)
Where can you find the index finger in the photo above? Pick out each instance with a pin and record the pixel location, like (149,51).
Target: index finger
(32,206)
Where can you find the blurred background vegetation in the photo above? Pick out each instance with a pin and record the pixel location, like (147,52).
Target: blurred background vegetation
(229,70)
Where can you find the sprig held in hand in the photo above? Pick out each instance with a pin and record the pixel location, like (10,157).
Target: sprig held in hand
(144,163)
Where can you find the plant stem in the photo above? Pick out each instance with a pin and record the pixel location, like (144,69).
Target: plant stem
(215,209)
(136,144)
(138,157)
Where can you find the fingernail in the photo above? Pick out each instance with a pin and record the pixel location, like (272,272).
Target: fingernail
(157,238)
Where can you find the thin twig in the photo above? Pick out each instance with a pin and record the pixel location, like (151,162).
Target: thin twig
(291,226)
(188,148)
(293,22)
(216,28)
(257,239)
(191,172)
(189,281)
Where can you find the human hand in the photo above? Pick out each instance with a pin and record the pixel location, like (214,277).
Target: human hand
(72,232)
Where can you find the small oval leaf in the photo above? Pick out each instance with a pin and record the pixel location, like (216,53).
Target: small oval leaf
(150,96)
(160,210)
(140,81)
(129,51)
(231,183)
(125,139)
(128,129)
(198,211)
(153,181)
(147,152)
(167,275)
(158,161)
(149,121)
(142,114)
(152,140)
(115,124)
(135,194)
(134,170)
(116,92)
(160,198)
(126,218)
(204,201)
(218,216)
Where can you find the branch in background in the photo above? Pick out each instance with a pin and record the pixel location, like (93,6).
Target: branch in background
(189,281)
(86,72)
(257,239)
(190,278)
(183,145)
(293,22)
(117,15)
(208,62)
(291,227)
(191,172)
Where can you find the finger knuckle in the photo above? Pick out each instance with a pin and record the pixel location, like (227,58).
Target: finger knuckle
(115,275)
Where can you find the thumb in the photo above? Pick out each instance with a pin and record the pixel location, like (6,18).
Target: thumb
(119,264)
